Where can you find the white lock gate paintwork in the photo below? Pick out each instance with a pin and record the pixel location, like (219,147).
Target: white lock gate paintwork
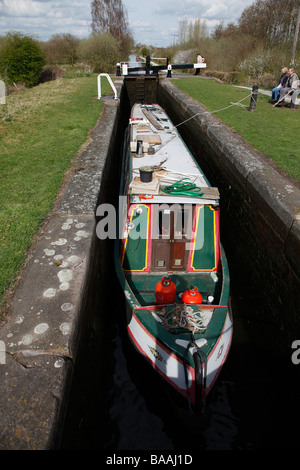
(110,82)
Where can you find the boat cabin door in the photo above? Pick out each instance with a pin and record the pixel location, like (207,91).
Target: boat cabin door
(170,230)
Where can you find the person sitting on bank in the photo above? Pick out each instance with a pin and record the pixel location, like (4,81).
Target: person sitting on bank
(282,83)
(293,84)
(200,60)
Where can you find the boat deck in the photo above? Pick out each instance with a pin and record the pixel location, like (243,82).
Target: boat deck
(163,149)
(143,285)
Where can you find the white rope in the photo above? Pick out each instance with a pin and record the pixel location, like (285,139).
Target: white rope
(185,317)
(238,103)
(282,98)
(189,319)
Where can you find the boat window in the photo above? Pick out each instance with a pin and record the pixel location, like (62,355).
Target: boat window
(170,229)
(160,263)
(181,223)
(164,223)
(175,221)
(177,262)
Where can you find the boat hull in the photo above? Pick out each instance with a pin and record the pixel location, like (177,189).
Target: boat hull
(178,235)
(171,367)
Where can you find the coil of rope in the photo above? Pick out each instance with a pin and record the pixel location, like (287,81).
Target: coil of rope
(183,187)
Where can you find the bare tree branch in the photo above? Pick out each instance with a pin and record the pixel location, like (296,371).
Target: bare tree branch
(109,16)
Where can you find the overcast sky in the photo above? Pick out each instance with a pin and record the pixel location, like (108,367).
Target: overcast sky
(152,22)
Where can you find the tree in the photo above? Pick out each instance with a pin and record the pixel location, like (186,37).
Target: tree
(271,20)
(218,31)
(109,16)
(62,49)
(21,59)
(198,31)
(183,31)
(192,32)
(100,52)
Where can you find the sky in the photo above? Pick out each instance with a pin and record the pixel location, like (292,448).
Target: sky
(151,22)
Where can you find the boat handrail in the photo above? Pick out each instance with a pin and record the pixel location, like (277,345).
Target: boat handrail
(110,82)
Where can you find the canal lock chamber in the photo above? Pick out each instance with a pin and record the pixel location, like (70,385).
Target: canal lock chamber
(260,247)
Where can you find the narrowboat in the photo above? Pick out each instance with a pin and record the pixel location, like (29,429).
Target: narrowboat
(168,257)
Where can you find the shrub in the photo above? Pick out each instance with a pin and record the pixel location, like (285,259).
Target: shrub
(61,49)
(100,51)
(21,60)
(256,64)
(51,73)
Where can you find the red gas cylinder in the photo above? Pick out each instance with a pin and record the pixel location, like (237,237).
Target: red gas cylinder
(191,296)
(165,291)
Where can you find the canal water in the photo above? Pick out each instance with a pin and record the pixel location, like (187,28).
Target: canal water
(254,404)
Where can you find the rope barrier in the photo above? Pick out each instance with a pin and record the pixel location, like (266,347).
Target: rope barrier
(238,103)
(217,110)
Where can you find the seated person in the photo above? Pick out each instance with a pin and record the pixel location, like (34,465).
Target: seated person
(282,83)
(292,84)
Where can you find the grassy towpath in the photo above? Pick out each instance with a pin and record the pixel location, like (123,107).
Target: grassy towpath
(272,131)
(41,130)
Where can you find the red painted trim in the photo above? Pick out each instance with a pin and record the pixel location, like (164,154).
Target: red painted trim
(160,306)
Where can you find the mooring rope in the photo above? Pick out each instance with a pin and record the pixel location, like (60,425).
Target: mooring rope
(217,110)
(199,400)
(182,316)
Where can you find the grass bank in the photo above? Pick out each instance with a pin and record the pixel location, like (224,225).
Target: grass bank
(41,130)
(273,131)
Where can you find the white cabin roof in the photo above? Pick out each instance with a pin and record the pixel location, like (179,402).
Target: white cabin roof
(151,125)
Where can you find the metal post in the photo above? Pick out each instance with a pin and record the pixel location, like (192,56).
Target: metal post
(253,98)
(148,65)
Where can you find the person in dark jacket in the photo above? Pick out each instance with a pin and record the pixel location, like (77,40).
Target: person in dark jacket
(282,83)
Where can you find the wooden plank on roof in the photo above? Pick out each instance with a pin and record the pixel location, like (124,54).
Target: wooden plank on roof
(151,139)
(153,120)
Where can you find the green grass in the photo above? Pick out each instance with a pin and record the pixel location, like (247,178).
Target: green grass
(41,130)
(273,131)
